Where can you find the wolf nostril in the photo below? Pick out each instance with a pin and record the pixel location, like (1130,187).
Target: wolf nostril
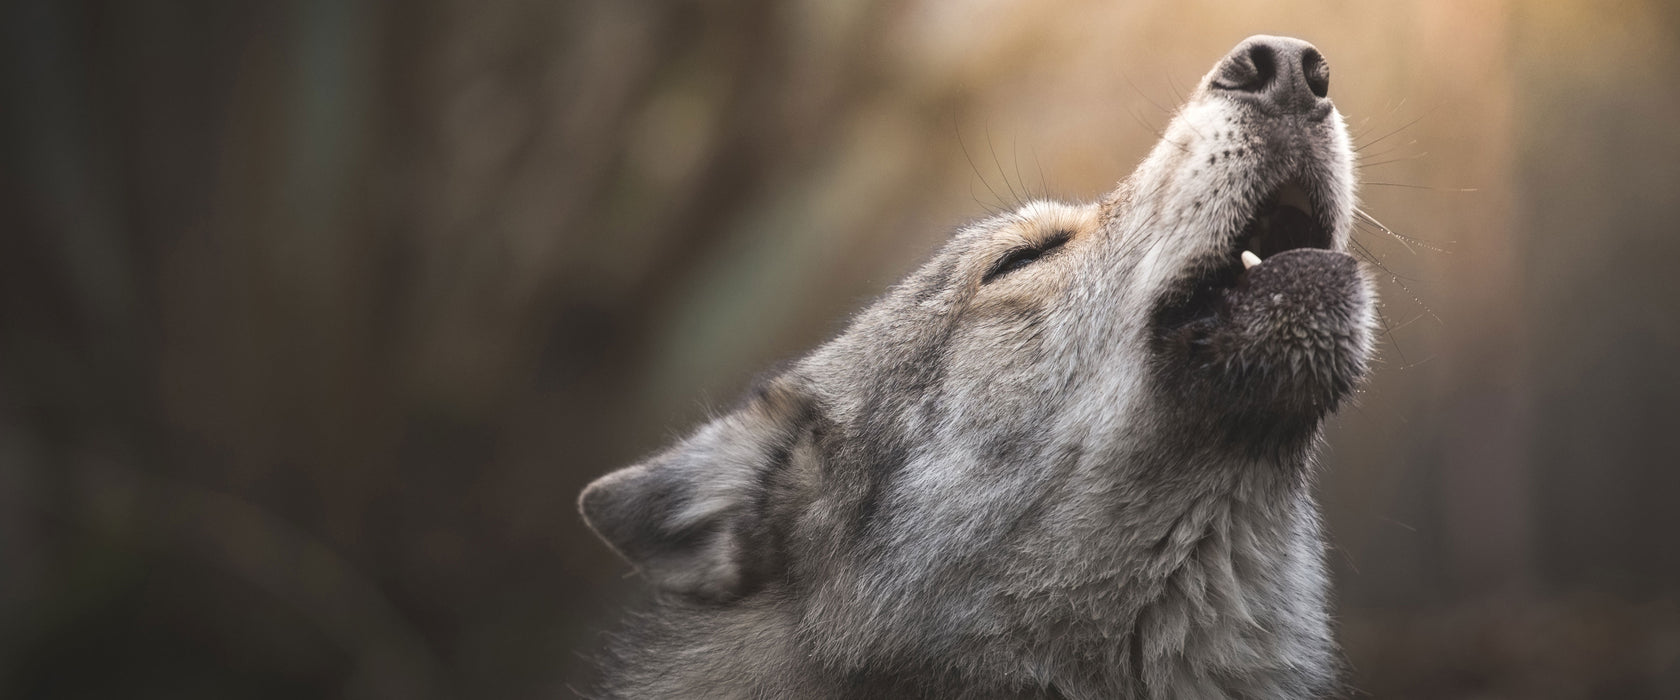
(1316,71)
(1288,73)
(1248,71)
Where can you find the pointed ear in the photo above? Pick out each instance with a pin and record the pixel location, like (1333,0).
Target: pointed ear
(691,518)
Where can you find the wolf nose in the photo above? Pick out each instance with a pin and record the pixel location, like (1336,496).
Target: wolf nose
(1285,72)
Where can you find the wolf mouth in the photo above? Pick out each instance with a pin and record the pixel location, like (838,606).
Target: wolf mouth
(1284,220)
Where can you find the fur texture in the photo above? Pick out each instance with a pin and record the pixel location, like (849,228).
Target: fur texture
(1068,457)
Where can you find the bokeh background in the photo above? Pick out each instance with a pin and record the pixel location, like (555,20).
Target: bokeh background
(315,316)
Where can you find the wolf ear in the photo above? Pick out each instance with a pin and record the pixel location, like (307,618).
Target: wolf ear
(690,518)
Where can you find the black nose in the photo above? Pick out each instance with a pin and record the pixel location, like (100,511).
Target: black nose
(1286,72)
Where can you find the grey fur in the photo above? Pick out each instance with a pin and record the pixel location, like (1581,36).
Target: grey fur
(1075,479)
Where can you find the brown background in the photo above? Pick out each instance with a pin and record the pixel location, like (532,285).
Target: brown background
(315,316)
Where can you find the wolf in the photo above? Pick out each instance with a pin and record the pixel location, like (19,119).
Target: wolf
(1070,456)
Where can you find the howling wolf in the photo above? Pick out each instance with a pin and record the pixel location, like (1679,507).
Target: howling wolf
(1068,457)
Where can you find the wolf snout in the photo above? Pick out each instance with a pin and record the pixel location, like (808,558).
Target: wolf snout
(1280,73)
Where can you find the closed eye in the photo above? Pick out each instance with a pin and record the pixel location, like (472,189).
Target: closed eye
(1017,258)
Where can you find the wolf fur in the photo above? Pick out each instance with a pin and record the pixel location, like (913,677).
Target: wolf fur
(1036,468)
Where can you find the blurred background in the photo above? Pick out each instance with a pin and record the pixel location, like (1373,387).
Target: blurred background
(315,316)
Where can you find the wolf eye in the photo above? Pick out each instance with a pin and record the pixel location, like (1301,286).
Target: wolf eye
(1023,256)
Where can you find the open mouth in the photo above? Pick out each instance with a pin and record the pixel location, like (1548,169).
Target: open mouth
(1285,220)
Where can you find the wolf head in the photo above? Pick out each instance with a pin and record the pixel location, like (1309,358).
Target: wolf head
(1077,438)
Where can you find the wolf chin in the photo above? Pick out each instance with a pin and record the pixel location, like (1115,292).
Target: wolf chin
(1068,457)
